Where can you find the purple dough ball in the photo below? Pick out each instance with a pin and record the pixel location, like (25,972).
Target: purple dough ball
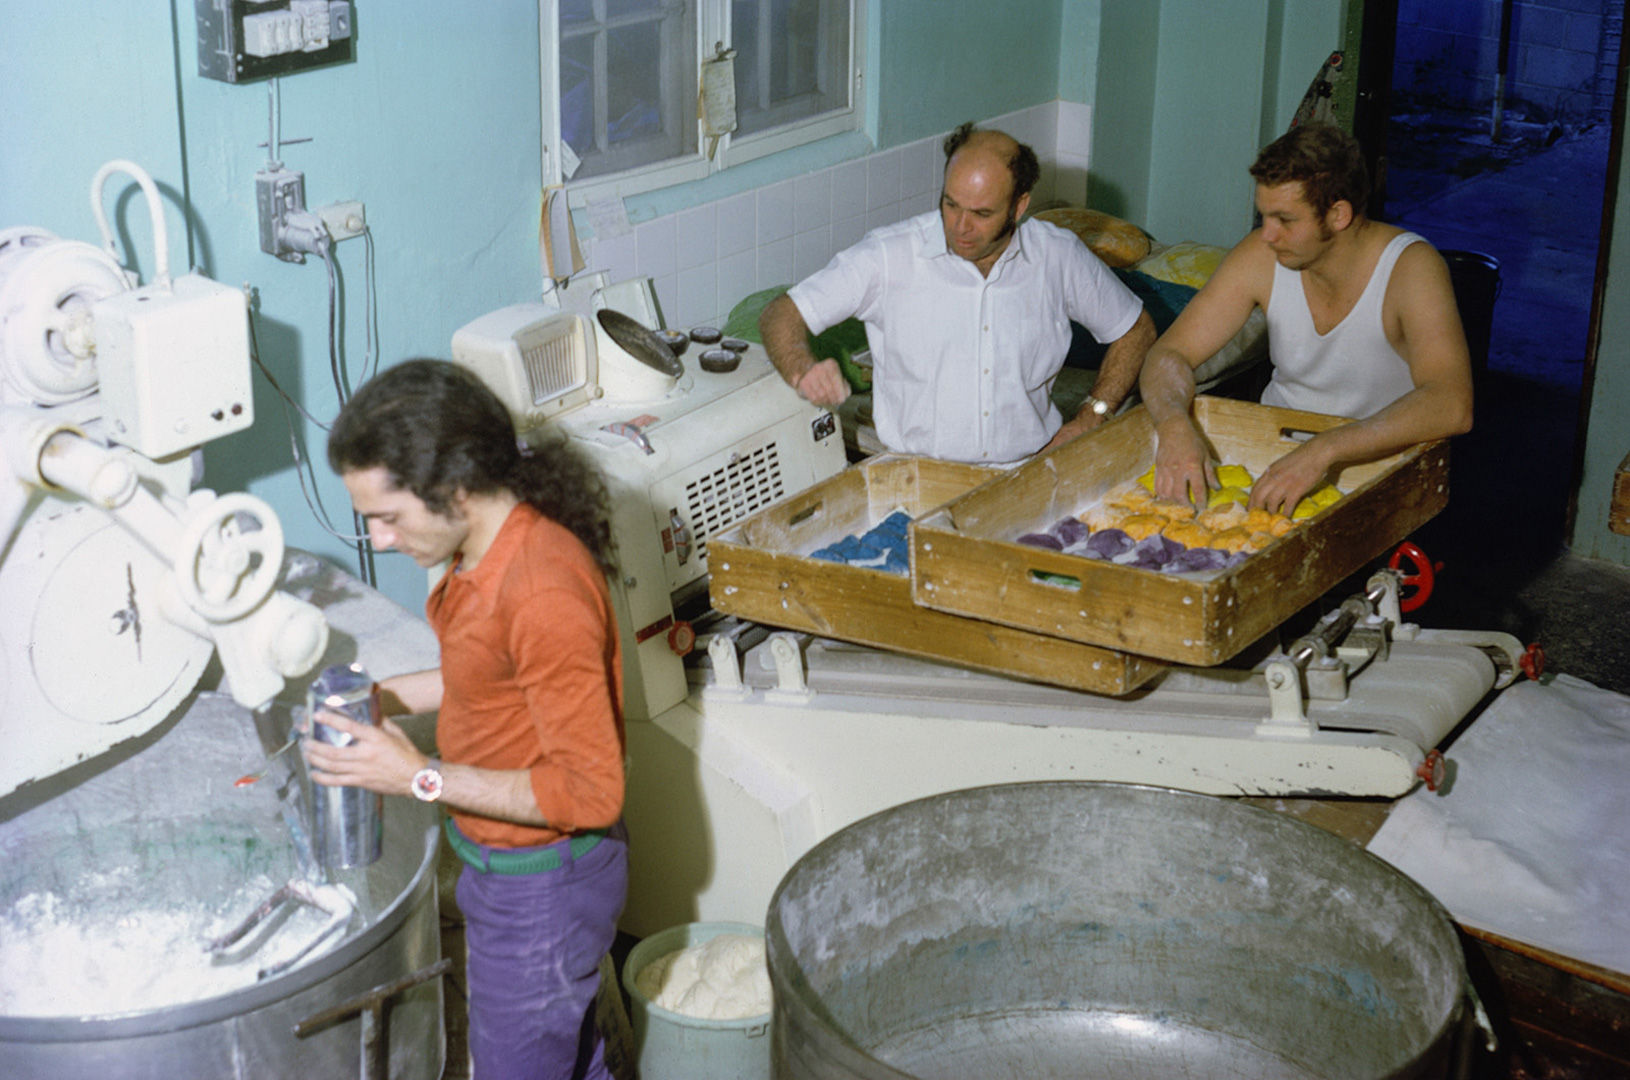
(1070,531)
(1042,540)
(1199,559)
(1156,550)
(1109,543)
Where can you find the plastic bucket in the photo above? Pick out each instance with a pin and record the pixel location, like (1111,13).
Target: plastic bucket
(1476,280)
(672,1046)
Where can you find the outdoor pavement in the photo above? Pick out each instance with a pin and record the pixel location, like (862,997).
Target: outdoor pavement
(1502,539)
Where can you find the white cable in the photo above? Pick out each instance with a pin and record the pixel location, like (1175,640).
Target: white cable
(155,208)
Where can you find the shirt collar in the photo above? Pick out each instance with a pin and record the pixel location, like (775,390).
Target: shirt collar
(931,243)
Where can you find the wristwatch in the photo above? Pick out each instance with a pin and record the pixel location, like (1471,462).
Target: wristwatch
(427,782)
(1099,406)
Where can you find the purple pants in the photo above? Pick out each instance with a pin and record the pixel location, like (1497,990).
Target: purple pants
(534,944)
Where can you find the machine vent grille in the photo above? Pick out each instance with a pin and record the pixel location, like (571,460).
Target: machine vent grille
(551,367)
(719,499)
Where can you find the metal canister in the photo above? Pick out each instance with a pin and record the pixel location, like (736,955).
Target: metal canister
(347,822)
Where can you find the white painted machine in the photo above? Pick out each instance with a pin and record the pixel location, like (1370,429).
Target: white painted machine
(118,579)
(686,453)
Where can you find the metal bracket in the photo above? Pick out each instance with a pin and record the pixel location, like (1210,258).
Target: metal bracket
(1287,704)
(726,662)
(791,686)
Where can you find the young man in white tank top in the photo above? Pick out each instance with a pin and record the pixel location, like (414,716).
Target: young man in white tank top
(1361,323)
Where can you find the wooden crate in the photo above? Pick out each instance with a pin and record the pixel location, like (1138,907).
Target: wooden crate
(761,570)
(965,561)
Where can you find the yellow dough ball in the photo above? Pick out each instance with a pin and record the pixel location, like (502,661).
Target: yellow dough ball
(1233,476)
(1148,479)
(1305,509)
(1228,494)
(1325,496)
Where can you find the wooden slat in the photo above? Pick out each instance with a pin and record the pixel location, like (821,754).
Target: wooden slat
(965,560)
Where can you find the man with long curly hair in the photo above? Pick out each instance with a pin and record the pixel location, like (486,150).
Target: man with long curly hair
(529,693)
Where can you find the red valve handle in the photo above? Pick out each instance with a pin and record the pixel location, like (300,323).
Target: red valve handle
(1533,661)
(1431,770)
(681,638)
(1422,579)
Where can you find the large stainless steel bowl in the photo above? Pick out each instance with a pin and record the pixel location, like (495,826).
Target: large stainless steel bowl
(1083,929)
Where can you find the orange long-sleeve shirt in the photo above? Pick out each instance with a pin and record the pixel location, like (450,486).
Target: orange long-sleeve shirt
(532,678)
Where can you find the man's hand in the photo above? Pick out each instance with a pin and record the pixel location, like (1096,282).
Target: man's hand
(1184,471)
(381,759)
(1282,485)
(1084,421)
(823,384)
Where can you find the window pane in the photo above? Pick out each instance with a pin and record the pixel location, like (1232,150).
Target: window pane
(575,13)
(616,9)
(626,77)
(634,67)
(577,94)
(792,60)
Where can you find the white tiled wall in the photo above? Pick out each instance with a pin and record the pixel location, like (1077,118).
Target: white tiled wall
(706,259)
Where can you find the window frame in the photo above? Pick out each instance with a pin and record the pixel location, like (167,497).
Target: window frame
(712,26)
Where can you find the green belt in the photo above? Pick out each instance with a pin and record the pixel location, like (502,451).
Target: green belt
(516,863)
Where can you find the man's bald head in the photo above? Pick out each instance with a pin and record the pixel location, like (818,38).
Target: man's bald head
(1019,160)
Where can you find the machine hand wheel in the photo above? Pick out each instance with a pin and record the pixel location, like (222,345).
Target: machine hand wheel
(1421,580)
(1533,661)
(222,570)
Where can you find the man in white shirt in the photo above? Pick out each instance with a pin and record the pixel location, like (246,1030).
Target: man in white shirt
(1362,323)
(967,316)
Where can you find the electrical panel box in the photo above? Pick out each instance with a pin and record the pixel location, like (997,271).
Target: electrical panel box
(245,40)
(173,365)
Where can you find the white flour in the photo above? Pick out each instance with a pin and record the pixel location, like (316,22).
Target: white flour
(103,953)
(724,978)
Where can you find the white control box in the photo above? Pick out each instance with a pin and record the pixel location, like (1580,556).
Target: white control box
(173,365)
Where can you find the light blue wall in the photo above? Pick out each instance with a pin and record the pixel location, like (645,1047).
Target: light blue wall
(1188,91)
(946,61)
(435,127)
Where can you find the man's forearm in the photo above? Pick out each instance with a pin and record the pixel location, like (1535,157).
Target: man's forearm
(786,339)
(1123,360)
(1167,385)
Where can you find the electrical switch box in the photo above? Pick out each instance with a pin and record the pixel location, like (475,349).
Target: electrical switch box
(246,40)
(173,364)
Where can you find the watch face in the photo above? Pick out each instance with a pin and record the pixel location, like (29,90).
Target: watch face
(1100,406)
(427,785)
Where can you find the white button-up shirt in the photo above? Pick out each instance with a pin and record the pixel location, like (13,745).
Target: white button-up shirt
(963,364)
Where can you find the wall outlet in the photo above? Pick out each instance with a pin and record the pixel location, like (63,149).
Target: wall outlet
(344,219)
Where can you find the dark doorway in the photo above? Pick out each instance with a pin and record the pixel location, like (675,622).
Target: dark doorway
(1530,198)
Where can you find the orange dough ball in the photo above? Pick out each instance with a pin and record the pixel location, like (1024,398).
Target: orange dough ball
(1189,534)
(1139,526)
(1235,539)
(1228,515)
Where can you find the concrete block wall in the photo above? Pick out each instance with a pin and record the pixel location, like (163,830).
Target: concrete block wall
(1562,59)
(706,259)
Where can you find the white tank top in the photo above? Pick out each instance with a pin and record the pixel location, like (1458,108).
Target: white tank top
(1351,371)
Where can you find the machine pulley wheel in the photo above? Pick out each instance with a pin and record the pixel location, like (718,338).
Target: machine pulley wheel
(1431,771)
(224,570)
(46,350)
